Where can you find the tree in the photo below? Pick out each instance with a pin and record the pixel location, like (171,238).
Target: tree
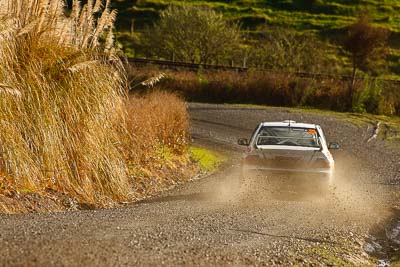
(192,33)
(282,49)
(366,44)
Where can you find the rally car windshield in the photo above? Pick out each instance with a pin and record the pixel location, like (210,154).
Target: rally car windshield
(287,136)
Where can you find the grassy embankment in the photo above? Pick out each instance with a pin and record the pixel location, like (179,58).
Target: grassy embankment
(328,19)
(70,136)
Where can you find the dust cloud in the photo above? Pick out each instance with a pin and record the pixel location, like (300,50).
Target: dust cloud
(351,198)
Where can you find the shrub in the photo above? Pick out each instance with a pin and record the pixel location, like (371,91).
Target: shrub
(192,33)
(367,97)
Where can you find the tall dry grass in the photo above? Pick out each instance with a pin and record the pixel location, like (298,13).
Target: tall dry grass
(62,108)
(158,122)
(63,103)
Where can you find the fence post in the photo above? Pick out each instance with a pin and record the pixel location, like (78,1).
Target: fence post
(132,26)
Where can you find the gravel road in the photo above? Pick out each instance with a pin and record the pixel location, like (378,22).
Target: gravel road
(204,222)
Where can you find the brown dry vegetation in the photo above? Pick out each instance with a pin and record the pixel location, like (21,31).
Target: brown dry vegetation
(280,89)
(158,124)
(65,126)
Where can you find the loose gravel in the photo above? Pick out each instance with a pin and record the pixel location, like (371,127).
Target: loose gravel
(206,222)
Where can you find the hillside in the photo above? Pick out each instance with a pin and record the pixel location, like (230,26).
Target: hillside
(327,18)
(319,15)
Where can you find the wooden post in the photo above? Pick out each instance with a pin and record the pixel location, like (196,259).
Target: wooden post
(132,26)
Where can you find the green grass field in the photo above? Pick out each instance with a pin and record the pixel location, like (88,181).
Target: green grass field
(320,15)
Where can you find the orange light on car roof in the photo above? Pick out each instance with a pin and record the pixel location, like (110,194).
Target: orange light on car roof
(312,131)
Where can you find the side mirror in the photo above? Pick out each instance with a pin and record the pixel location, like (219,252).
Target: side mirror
(243,142)
(334,146)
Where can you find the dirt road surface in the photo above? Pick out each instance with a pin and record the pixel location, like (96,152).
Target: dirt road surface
(205,222)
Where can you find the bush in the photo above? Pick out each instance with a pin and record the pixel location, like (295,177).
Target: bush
(191,33)
(366,99)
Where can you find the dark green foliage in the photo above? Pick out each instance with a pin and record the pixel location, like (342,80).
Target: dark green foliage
(194,34)
(251,22)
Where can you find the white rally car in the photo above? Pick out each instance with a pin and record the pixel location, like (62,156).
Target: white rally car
(291,149)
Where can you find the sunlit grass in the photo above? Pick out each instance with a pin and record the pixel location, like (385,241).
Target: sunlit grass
(207,159)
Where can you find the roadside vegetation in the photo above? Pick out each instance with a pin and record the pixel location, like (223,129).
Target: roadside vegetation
(327,21)
(366,45)
(197,35)
(207,159)
(363,49)
(69,131)
(280,89)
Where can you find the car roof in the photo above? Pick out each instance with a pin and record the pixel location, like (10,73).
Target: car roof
(290,123)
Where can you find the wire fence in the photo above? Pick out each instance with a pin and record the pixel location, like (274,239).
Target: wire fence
(143,62)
